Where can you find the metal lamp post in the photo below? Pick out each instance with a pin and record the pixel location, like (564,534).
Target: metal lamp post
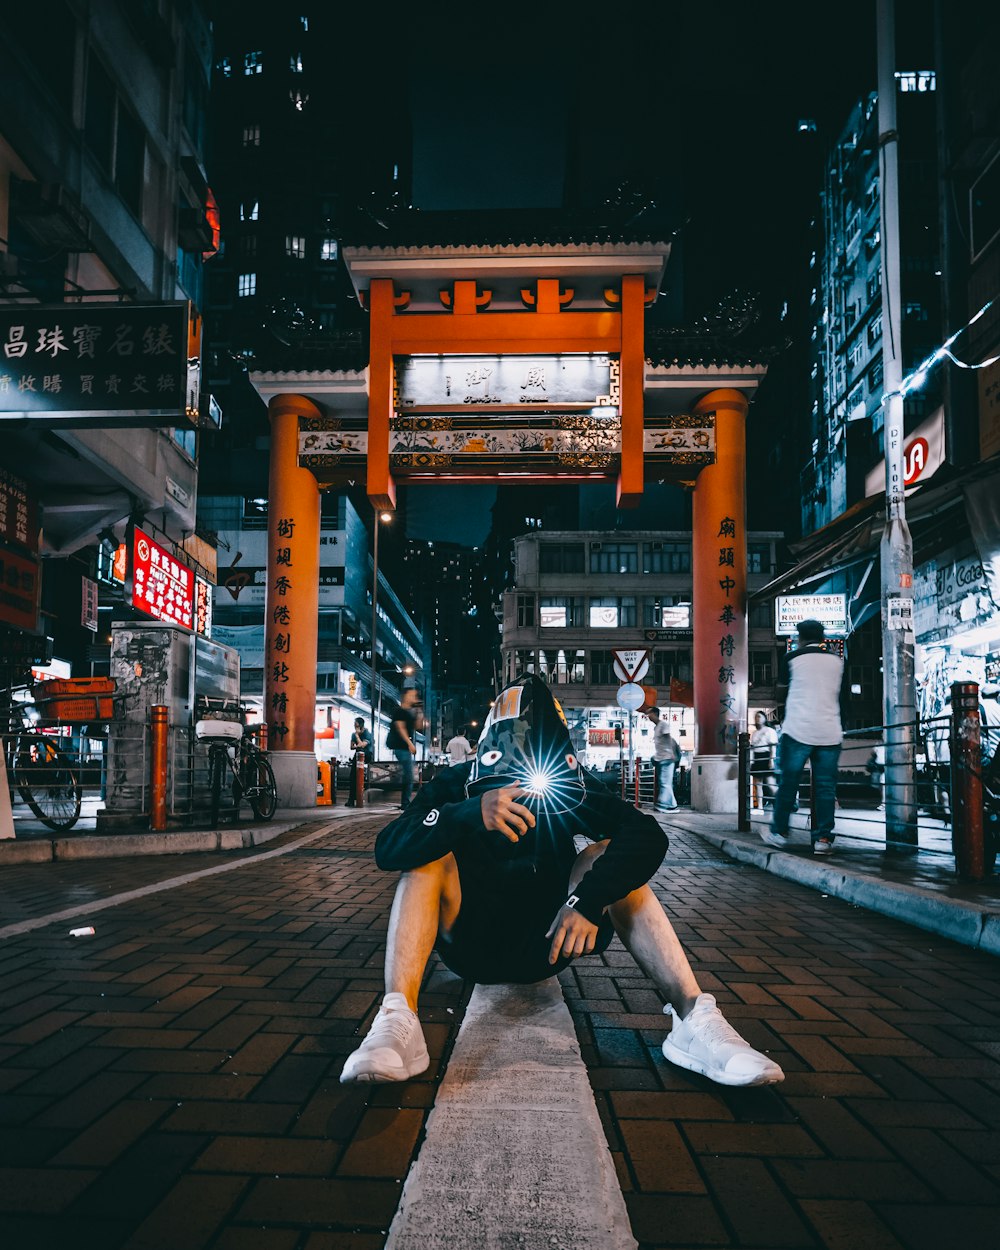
(376,674)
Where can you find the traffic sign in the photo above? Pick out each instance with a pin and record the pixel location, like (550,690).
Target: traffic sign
(630,696)
(631,666)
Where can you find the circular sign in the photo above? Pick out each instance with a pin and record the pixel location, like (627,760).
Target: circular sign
(630,696)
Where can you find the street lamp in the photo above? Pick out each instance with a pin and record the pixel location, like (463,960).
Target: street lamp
(380,517)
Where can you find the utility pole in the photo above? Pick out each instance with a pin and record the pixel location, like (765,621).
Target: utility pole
(898,693)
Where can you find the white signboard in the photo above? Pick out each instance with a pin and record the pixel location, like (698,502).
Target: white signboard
(631,665)
(899,614)
(829,610)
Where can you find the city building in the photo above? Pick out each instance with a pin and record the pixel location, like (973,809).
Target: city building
(580,596)
(104,211)
(846,300)
(347,684)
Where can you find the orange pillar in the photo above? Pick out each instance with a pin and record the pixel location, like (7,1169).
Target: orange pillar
(291,606)
(633,362)
(720,605)
(381,302)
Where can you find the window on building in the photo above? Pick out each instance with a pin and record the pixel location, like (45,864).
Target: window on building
(295,64)
(247,284)
(666,612)
(602,670)
(248,245)
(875,377)
(295,245)
(874,284)
(250,210)
(759,558)
(761,668)
(305,22)
(251,135)
(525,611)
(560,558)
(611,612)
(855,396)
(761,615)
(914,312)
(524,663)
(668,662)
(561,667)
(856,351)
(253,63)
(814,371)
(130,159)
(614,557)
(875,329)
(916,80)
(871,195)
(328,249)
(224,66)
(299,99)
(561,612)
(666,557)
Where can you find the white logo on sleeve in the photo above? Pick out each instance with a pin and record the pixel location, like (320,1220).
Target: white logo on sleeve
(572,900)
(432,816)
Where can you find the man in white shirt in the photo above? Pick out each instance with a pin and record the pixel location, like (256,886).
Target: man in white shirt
(811,730)
(763,742)
(666,756)
(459,748)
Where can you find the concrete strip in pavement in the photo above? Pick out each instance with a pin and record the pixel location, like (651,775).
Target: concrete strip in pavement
(127,896)
(957,919)
(515,1156)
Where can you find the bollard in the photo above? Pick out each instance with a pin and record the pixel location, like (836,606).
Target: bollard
(323,784)
(158,726)
(743,782)
(967,840)
(359,779)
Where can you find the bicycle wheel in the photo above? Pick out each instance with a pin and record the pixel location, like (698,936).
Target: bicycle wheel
(216,763)
(47,782)
(259,788)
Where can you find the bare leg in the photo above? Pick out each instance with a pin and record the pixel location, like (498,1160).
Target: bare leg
(427,900)
(648,935)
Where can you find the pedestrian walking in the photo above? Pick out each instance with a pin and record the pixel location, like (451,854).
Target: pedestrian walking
(666,757)
(400,740)
(492,878)
(811,731)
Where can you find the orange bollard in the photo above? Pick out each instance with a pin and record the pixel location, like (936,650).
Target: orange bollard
(359,779)
(323,785)
(158,726)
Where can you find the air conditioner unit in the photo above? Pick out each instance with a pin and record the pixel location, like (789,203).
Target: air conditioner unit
(51,215)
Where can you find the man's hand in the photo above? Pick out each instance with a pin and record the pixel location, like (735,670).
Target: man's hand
(573,934)
(502,812)
(413,748)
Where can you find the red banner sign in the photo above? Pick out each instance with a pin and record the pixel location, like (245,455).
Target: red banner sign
(162,587)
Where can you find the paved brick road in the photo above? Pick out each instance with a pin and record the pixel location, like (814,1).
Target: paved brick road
(172,1082)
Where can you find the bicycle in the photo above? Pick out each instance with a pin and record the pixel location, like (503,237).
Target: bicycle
(44,777)
(222,727)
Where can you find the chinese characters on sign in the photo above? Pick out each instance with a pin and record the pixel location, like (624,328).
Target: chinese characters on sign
(162,587)
(125,363)
(18,514)
(731,646)
(829,610)
(20,580)
(447,382)
(203,607)
(280,629)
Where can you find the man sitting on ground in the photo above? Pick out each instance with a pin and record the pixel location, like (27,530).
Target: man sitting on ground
(492,878)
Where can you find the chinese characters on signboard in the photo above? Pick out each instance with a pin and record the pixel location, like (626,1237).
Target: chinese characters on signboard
(829,610)
(280,628)
(732,637)
(88,604)
(162,587)
(20,581)
(127,364)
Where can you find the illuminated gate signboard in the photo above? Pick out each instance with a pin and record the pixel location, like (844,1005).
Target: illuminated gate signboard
(161,586)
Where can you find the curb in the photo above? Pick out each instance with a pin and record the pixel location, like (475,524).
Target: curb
(966,923)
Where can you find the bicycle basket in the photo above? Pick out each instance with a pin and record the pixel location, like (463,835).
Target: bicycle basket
(218,730)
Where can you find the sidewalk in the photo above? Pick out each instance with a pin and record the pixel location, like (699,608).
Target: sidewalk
(920,888)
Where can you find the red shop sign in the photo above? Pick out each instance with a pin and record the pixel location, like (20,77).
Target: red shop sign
(162,587)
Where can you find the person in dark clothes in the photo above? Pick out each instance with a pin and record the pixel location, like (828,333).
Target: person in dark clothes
(400,740)
(361,744)
(492,878)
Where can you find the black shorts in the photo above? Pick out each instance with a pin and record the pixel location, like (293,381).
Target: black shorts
(503,942)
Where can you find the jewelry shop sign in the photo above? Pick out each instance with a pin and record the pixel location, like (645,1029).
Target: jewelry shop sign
(125,365)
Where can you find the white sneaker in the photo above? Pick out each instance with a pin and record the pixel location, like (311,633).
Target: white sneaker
(772,838)
(704,1041)
(394,1049)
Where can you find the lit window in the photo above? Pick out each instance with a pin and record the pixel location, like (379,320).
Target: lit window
(295,245)
(813,296)
(814,332)
(296,63)
(253,63)
(814,371)
(299,98)
(305,22)
(915,312)
(224,67)
(247,284)
(875,328)
(250,210)
(812,260)
(251,136)
(916,80)
(856,352)
(328,249)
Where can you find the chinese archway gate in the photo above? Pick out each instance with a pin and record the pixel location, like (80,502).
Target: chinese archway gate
(509,362)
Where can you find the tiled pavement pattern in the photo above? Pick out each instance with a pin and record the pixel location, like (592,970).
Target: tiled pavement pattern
(172,1082)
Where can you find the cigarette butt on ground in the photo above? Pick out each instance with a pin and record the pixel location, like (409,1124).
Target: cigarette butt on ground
(88,931)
